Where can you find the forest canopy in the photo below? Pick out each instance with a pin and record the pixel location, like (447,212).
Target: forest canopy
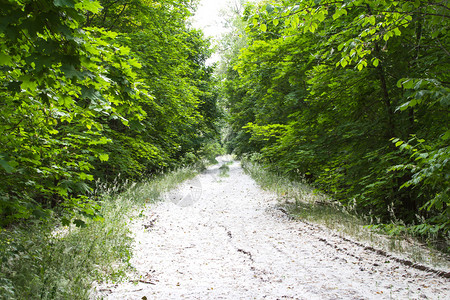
(91,90)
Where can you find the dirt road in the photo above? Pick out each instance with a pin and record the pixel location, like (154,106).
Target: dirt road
(223,238)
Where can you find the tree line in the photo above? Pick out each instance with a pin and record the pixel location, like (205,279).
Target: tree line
(352,96)
(91,90)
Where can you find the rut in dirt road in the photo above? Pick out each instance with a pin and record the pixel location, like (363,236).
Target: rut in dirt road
(224,238)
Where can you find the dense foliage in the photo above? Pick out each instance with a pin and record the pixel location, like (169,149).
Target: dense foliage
(93,89)
(352,95)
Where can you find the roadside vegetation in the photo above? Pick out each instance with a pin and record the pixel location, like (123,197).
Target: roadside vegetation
(301,201)
(224,169)
(46,260)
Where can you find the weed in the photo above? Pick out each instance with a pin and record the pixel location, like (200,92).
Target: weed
(224,169)
(51,261)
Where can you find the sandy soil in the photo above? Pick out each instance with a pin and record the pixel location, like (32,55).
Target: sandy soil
(224,238)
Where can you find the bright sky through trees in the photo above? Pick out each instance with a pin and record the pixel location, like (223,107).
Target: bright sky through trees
(208,17)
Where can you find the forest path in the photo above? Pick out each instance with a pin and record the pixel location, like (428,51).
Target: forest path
(224,238)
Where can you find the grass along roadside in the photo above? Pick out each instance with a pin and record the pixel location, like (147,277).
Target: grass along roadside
(41,262)
(302,202)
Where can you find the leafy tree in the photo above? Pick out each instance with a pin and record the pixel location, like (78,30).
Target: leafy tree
(350,95)
(56,81)
(93,90)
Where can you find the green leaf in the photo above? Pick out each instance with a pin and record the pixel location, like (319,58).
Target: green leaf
(446,135)
(84,176)
(70,71)
(103,157)
(376,62)
(407,83)
(28,84)
(65,101)
(445,100)
(124,50)
(320,16)
(276,22)
(6,166)
(133,62)
(418,84)
(89,5)
(263,27)
(313,27)
(339,12)
(360,66)
(5,59)
(295,21)
(79,223)
(269,8)
(404,106)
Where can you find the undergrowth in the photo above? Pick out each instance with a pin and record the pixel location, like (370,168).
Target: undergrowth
(303,202)
(45,260)
(225,169)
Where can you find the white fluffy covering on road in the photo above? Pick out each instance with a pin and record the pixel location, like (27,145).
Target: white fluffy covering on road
(227,240)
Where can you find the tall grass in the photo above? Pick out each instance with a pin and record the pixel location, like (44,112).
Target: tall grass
(44,260)
(302,202)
